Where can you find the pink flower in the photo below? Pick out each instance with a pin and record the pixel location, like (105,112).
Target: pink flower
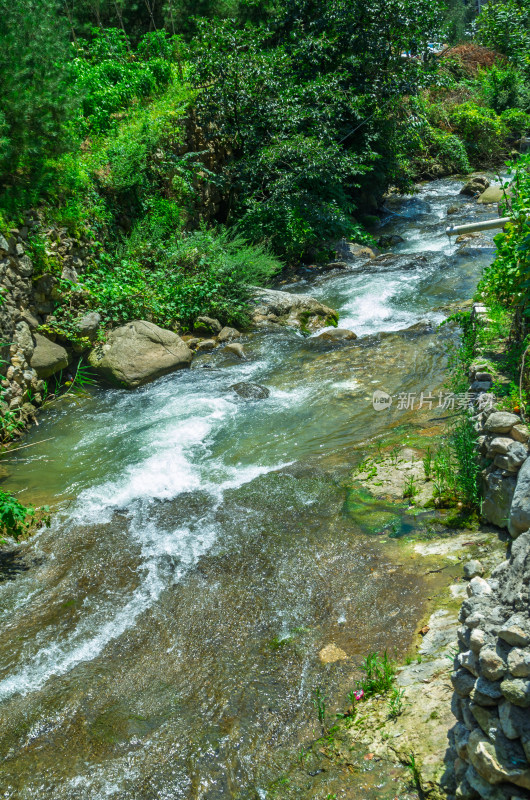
(359,694)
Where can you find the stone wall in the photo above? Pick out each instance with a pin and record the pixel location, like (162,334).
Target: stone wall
(26,303)
(21,386)
(492,683)
(492,669)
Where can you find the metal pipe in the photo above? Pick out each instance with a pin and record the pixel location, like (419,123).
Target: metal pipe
(486,225)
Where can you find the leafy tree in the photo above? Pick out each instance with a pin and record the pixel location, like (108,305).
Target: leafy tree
(36,102)
(504,25)
(307,104)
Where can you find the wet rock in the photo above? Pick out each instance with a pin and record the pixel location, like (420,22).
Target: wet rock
(205,345)
(337,335)
(350,250)
(336,265)
(520,509)
(250,391)
(390,240)
(295,310)
(501,422)
(454,209)
(473,569)
(493,194)
(476,185)
(138,353)
(207,326)
(88,325)
(236,349)
(48,357)
(228,334)
(331,654)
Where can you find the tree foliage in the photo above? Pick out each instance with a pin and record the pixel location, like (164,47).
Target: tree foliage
(307,105)
(36,104)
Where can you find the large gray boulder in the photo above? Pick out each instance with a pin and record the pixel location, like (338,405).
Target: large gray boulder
(48,357)
(520,511)
(295,310)
(139,352)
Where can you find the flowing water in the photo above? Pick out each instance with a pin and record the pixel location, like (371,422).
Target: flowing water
(161,639)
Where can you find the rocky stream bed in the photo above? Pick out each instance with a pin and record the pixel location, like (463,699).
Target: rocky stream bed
(219,558)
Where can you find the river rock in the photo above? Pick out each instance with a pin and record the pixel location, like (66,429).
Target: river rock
(236,349)
(337,335)
(476,185)
(493,194)
(296,310)
(207,326)
(389,240)
(331,654)
(250,391)
(349,251)
(48,357)
(228,334)
(206,344)
(501,422)
(139,352)
(520,509)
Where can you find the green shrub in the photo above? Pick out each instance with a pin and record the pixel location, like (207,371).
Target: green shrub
(517,121)
(504,88)
(110,76)
(482,131)
(15,518)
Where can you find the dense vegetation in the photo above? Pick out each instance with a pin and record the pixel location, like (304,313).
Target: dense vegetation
(195,148)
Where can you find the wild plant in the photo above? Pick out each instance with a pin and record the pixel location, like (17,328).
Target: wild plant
(395,703)
(410,490)
(379,673)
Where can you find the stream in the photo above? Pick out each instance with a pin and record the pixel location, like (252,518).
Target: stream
(160,640)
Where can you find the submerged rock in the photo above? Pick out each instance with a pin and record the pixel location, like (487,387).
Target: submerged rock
(337,335)
(139,352)
(48,357)
(250,391)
